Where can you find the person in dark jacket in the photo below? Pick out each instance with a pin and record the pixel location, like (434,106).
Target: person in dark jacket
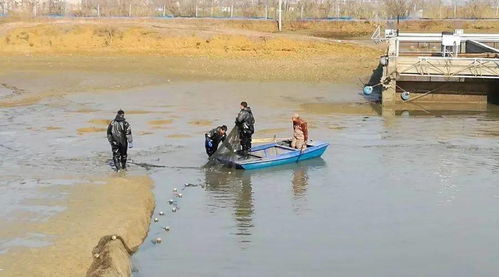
(119,135)
(245,123)
(213,139)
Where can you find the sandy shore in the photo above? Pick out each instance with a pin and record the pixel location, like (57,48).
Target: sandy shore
(115,205)
(124,72)
(134,53)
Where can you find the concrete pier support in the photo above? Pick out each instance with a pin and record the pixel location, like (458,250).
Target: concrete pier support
(441,68)
(389,80)
(389,93)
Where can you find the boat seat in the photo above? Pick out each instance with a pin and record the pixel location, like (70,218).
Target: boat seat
(287,147)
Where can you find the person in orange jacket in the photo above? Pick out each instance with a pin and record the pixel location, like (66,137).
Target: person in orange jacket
(300,133)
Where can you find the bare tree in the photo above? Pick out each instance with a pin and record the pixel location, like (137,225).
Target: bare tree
(56,7)
(476,8)
(397,8)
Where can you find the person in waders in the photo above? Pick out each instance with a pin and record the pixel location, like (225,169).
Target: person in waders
(300,133)
(245,123)
(119,135)
(213,139)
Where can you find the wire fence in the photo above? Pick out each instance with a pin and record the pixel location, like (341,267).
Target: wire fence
(255,9)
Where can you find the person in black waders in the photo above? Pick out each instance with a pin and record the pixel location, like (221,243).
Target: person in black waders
(245,123)
(213,139)
(119,135)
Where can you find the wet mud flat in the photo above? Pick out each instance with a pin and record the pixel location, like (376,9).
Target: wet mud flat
(58,195)
(56,157)
(416,184)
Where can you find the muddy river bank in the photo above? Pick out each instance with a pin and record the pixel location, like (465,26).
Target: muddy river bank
(413,194)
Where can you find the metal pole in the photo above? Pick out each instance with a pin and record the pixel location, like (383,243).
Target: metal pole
(34,8)
(267,9)
(196,8)
(98,10)
(232,9)
(301,11)
(164,10)
(130,10)
(212,3)
(279,24)
(455,9)
(337,9)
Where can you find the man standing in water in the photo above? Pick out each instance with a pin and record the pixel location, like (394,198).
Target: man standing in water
(213,138)
(245,123)
(119,135)
(300,133)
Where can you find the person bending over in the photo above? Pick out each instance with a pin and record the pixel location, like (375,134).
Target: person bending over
(213,138)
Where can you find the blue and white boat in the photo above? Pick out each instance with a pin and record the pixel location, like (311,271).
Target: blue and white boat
(273,154)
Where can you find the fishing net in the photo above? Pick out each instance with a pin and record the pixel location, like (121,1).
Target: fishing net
(227,151)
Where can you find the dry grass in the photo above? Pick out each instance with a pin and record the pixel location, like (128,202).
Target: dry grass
(114,39)
(186,49)
(364,29)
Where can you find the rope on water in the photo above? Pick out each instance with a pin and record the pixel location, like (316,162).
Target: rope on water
(148,166)
(422,95)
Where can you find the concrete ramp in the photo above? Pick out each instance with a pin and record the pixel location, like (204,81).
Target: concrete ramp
(473,46)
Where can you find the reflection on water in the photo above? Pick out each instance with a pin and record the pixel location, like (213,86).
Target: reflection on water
(235,187)
(232,189)
(300,182)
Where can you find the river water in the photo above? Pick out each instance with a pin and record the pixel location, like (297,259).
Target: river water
(409,195)
(415,194)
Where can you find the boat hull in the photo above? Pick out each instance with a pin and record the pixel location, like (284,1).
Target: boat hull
(314,150)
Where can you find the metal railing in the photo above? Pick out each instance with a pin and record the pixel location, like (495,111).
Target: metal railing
(482,68)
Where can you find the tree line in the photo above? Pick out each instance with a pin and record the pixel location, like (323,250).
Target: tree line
(292,9)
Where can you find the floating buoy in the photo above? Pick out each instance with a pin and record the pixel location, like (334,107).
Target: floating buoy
(158,240)
(179,195)
(174,209)
(161,213)
(156,219)
(166,228)
(368,90)
(113,237)
(170,201)
(174,189)
(405,95)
